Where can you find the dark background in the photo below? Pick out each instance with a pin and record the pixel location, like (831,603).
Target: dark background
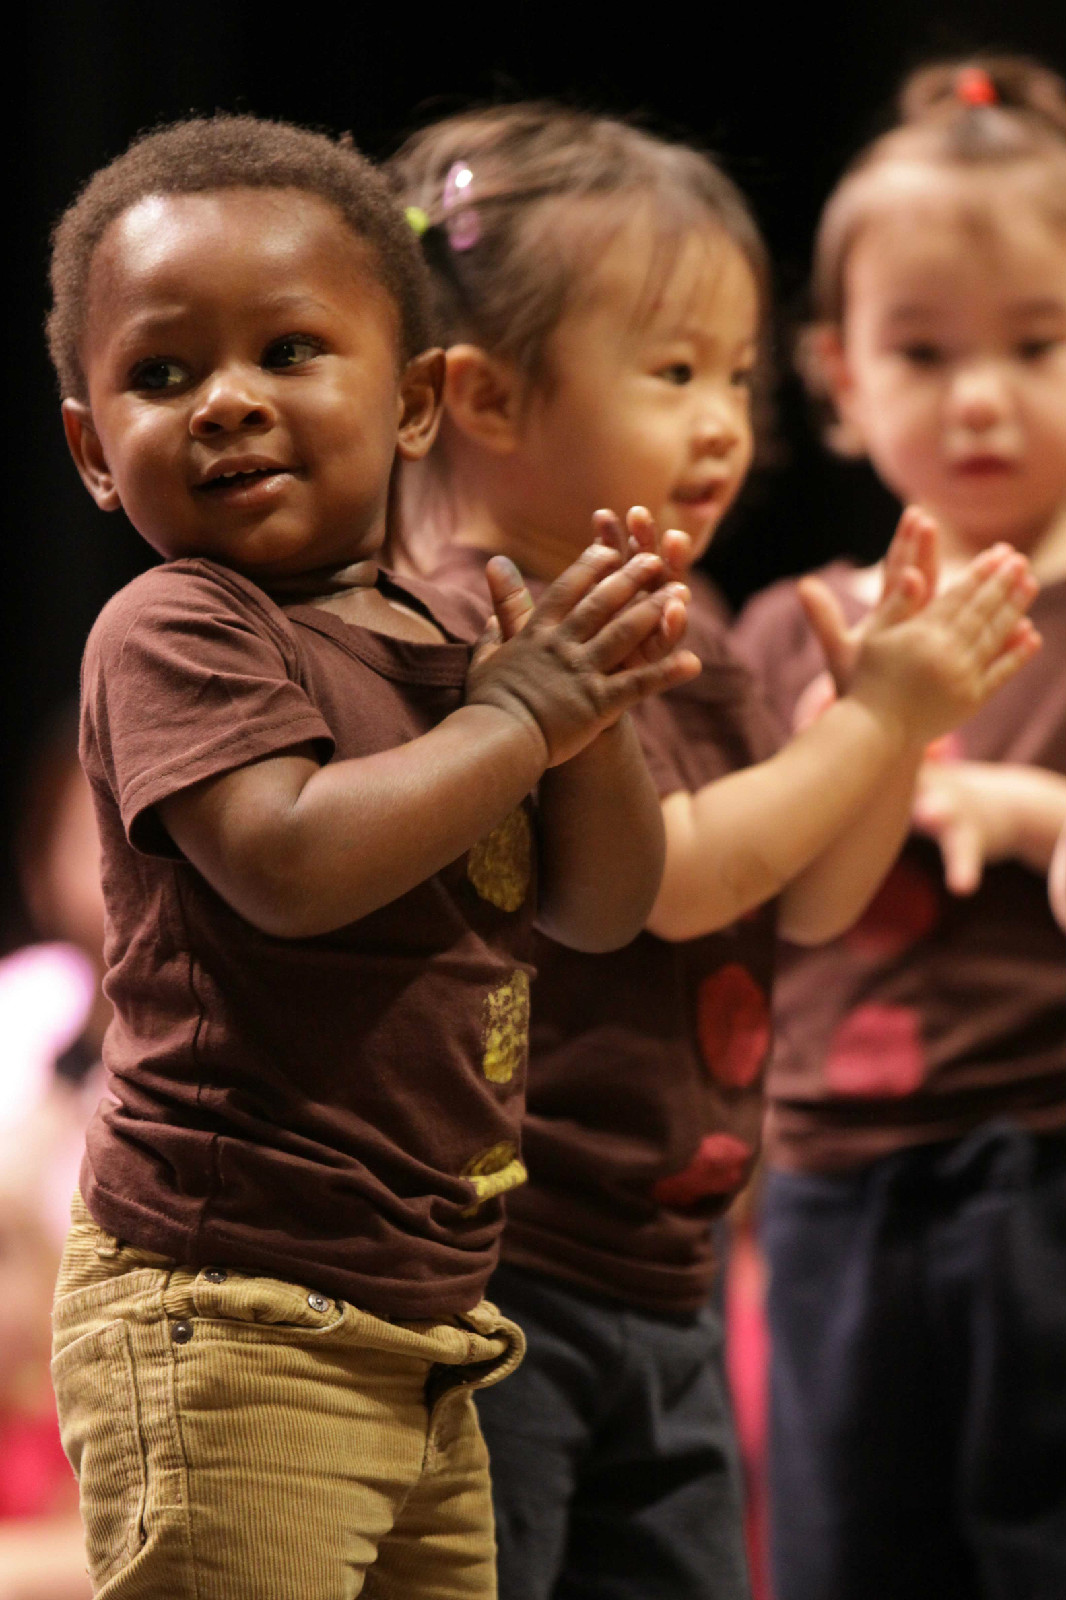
(782,93)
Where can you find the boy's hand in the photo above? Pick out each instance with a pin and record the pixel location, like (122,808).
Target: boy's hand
(930,669)
(908,582)
(581,657)
(638,535)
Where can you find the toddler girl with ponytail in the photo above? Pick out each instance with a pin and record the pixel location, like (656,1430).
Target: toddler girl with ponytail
(916,1203)
(602,295)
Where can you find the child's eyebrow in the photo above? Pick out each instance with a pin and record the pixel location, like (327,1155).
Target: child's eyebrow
(911,311)
(294,300)
(692,333)
(1042,306)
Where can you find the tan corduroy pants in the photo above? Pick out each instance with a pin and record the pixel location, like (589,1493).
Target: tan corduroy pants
(240,1438)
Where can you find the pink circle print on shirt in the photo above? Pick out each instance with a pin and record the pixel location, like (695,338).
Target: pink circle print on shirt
(905,909)
(720,1166)
(733,1026)
(876,1050)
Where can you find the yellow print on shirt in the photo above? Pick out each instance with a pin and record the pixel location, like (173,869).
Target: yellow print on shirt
(493,1171)
(500,865)
(505,1028)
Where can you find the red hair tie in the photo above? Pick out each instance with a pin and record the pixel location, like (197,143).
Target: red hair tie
(974,87)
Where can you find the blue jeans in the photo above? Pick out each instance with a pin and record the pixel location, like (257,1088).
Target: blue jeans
(918,1387)
(614,1467)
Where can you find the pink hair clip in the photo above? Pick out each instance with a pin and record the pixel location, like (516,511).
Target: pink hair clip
(974,87)
(461,221)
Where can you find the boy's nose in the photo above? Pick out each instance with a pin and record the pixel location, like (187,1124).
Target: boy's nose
(229,405)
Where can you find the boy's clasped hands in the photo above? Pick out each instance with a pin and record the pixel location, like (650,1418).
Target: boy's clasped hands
(603,636)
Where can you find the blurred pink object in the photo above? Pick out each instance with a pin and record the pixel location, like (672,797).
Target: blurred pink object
(46,993)
(35,1475)
(747,1367)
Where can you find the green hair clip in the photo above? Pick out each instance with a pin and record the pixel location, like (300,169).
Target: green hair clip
(417,219)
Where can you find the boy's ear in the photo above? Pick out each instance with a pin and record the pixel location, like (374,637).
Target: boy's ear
(421,404)
(827,371)
(483,397)
(88,454)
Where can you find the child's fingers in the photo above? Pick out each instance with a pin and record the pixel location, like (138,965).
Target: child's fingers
(611,596)
(511,600)
(624,689)
(996,608)
(673,622)
(631,630)
(900,552)
(487,645)
(673,545)
(642,530)
(608,528)
(1014,655)
(828,623)
(676,549)
(926,552)
(982,586)
(915,545)
(906,597)
(580,578)
(960,848)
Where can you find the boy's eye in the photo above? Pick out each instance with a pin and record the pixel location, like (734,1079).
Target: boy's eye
(292,351)
(743,377)
(679,372)
(157,375)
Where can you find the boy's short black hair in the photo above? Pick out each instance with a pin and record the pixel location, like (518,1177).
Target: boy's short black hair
(226,152)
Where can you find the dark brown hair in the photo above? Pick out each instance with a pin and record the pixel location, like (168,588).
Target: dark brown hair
(510,252)
(1020,118)
(226,152)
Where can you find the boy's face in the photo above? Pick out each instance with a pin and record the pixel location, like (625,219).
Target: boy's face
(246,401)
(648,400)
(952,367)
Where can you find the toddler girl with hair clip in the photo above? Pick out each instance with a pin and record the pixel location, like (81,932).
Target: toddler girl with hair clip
(916,1206)
(603,294)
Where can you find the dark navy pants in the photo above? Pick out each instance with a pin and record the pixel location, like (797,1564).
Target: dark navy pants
(918,1387)
(614,1468)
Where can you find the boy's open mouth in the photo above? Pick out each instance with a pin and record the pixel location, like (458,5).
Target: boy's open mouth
(240,480)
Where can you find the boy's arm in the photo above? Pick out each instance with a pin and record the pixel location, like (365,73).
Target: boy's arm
(601,827)
(602,844)
(300,849)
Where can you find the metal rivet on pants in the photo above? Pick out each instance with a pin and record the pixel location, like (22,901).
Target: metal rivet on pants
(181,1332)
(317,1302)
(214,1275)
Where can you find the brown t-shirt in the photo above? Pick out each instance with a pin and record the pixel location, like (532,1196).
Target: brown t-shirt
(936,1012)
(340,1110)
(644,1096)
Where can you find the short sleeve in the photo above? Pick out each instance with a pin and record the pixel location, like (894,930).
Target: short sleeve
(189,672)
(774,639)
